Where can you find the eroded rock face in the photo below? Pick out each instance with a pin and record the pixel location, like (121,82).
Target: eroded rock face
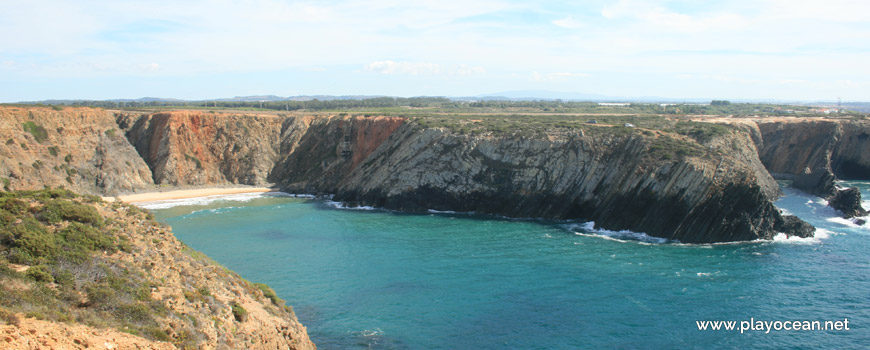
(318,153)
(79,148)
(616,181)
(814,153)
(196,148)
(719,193)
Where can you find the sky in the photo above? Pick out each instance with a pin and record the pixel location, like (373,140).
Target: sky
(197,49)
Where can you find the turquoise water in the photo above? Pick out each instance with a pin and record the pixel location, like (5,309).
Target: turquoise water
(370,279)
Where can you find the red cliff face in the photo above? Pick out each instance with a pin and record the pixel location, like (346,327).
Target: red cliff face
(196,148)
(369,134)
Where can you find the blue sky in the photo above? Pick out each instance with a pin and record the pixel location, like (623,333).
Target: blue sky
(197,49)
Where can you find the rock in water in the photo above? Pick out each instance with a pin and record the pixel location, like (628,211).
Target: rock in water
(793,226)
(848,202)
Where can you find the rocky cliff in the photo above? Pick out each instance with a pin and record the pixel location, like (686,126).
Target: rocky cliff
(816,152)
(677,180)
(194,148)
(97,266)
(79,148)
(635,180)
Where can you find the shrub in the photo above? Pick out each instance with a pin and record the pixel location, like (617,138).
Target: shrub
(53,150)
(9,317)
(14,205)
(110,132)
(99,294)
(6,183)
(39,133)
(268,292)
(239,312)
(56,210)
(10,142)
(155,333)
(79,240)
(39,273)
(68,158)
(30,241)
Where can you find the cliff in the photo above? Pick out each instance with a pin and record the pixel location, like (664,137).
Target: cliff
(76,272)
(194,148)
(664,184)
(78,148)
(815,153)
(692,182)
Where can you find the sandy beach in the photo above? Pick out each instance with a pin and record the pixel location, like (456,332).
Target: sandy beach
(181,194)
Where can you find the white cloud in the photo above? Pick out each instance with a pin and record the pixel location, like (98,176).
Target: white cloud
(568,22)
(446,40)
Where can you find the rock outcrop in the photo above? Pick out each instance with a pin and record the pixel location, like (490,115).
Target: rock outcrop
(698,188)
(196,148)
(318,153)
(848,202)
(617,180)
(815,153)
(78,148)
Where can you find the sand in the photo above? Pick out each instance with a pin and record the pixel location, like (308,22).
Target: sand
(182,194)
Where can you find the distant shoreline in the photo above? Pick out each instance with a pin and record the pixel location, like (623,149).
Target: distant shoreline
(183,194)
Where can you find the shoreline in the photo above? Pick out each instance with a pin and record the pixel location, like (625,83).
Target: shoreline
(184,194)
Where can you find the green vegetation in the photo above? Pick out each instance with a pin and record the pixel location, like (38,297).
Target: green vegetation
(60,239)
(239,313)
(39,133)
(10,141)
(53,150)
(194,159)
(5,182)
(421,106)
(110,132)
(268,292)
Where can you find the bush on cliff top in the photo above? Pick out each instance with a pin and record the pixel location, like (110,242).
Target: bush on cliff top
(61,239)
(39,133)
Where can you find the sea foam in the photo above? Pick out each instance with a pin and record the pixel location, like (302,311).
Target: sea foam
(237,197)
(588,229)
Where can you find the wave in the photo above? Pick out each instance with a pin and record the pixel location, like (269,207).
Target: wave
(340,205)
(850,222)
(819,235)
(237,197)
(588,229)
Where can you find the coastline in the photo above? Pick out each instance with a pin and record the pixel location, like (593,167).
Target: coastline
(183,194)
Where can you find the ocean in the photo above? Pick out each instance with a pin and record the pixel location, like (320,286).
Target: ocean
(371,279)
